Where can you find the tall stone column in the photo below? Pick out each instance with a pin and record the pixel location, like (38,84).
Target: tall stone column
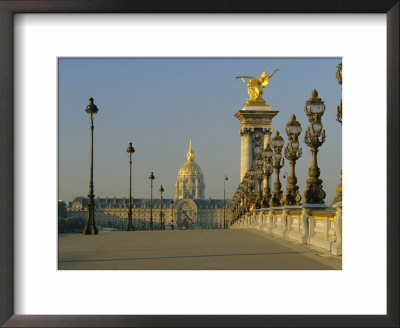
(255,128)
(244,151)
(249,152)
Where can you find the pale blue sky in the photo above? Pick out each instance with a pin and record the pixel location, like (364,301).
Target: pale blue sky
(159,103)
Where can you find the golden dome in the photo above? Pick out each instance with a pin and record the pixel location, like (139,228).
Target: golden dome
(190,168)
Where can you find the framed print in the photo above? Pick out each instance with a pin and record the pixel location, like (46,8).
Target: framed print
(195,214)
(38,36)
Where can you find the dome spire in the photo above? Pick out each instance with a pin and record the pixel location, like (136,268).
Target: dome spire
(190,178)
(190,152)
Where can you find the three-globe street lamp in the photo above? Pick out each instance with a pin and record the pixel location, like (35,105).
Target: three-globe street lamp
(259,175)
(161,212)
(90,227)
(267,167)
(130,150)
(292,152)
(225,179)
(277,144)
(151,177)
(314,110)
(172,214)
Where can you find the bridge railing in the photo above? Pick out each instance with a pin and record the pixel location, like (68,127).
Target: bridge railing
(306,224)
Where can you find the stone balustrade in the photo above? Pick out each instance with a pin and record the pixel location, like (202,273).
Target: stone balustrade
(306,224)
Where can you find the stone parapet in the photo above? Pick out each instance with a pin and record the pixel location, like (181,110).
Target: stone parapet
(315,225)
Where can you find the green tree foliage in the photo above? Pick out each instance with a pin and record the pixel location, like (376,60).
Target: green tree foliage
(69,225)
(62,209)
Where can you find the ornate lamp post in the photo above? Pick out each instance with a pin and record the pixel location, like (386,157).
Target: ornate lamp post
(259,175)
(339,189)
(339,119)
(314,109)
(151,177)
(238,204)
(277,144)
(234,208)
(172,214)
(339,107)
(238,199)
(90,227)
(242,207)
(225,179)
(250,186)
(292,152)
(130,150)
(246,195)
(267,166)
(161,212)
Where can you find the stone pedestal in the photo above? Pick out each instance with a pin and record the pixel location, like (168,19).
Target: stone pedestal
(255,129)
(321,227)
(294,229)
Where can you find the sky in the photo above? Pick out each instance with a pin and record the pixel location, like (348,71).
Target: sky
(159,103)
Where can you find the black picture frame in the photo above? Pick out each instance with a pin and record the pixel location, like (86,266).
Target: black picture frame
(7,200)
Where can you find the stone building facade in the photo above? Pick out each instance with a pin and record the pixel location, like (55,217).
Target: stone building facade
(189,210)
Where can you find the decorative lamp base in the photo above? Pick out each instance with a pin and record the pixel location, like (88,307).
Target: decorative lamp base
(90,230)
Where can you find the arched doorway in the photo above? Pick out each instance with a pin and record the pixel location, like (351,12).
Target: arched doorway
(186,214)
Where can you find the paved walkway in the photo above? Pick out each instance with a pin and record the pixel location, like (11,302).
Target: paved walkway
(189,250)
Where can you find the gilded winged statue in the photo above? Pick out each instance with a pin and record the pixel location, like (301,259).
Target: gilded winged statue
(255,87)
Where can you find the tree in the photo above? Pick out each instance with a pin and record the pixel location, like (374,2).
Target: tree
(62,209)
(71,224)
(61,225)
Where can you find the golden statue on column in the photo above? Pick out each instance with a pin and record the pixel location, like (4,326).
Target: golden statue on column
(255,86)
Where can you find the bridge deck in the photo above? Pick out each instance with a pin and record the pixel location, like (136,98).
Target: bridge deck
(189,250)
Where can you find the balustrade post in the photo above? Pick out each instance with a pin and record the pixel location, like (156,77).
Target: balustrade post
(326,232)
(284,216)
(337,245)
(311,226)
(262,220)
(271,221)
(305,224)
